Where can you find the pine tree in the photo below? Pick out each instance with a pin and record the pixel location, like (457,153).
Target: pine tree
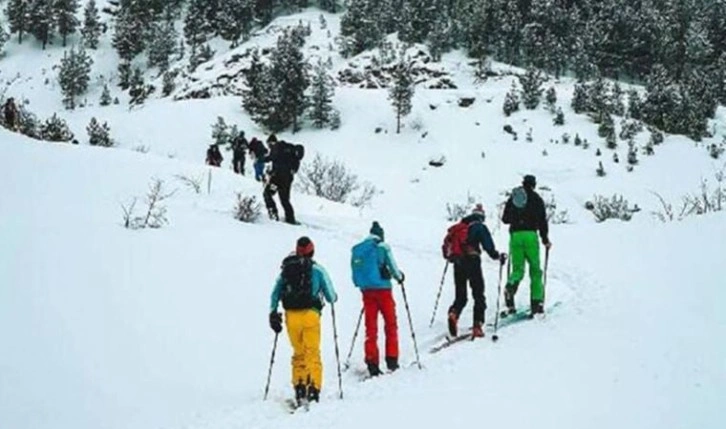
(289,73)
(263,11)
(221,132)
(65,17)
(531,83)
(91,30)
(124,75)
(163,43)
(360,27)
(511,100)
(74,74)
(634,104)
(17,15)
(55,129)
(41,20)
(126,38)
(418,17)
(439,39)
(137,88)
(256,98)
(617,107)
(3,37)
(168,83)
(105,96)
(559,118)
(99,134)
(606,127)
(235,19)
(402,90)
(579,98)
(197,29)
(321,101)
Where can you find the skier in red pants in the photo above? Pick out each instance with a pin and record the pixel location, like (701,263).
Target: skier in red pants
(373,267)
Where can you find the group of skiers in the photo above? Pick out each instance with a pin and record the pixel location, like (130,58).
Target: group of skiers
(284,159)
(303,284)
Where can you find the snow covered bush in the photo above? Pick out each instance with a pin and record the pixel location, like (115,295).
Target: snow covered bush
(105,96)
(73,75)
(511,100)
(55,129)
(154,215)
(456,211)
(99,134)
(192,182)
(555,216)
(247,209)
(615,207)
(333,181)
(600,171)
(559,118)
(715,150)
(629,129)
(551,98)
(531,83)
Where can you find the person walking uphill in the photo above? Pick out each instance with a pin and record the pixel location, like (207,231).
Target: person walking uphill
(462,246)
(239,151)
(525,214)
(302,285)
(11,114)
(285,158)
(373,267)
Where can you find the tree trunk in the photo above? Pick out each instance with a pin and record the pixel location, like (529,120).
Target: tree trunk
(64,39)
(398,121)
(20,37)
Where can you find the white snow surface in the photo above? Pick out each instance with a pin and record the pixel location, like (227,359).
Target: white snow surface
(104,327)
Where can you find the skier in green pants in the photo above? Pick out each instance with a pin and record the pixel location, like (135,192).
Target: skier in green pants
(525,215)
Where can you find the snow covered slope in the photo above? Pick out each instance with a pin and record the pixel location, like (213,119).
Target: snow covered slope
(102,327)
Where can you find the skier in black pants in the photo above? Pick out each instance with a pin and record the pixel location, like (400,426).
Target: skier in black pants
(280,179)
(239,149)
(468,269)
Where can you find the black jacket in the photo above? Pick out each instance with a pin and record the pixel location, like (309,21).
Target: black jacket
(258,149)
(282,164)
(531,218)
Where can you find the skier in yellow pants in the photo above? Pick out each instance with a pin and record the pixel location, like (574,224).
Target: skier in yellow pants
(301,286)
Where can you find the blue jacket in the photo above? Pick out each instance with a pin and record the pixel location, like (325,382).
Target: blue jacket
(385,260)
(321,284)
(479,237)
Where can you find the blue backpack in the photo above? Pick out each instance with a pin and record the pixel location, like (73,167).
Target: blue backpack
(364,264)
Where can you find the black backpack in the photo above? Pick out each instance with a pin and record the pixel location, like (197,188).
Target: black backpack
(291,154)
(297,288)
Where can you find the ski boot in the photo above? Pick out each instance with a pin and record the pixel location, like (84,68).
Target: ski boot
(508,303)
(301,395)
(313,394)
(536,310)
(392,363)
(373,369)
(273,214)
(477,331)
(453,320)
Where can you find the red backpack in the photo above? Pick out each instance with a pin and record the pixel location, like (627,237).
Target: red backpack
(455,241)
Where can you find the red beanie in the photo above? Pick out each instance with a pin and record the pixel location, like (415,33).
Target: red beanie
(305,247)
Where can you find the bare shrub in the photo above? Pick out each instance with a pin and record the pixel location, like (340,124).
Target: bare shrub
(141,148)
(666,212)
(456,211)
(332,180)
(155,212)
(247,208)
(555,216)
(615,207)
(192,182)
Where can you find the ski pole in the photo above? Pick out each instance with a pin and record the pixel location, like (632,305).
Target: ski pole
(337,353)
(410,324)
(438,296)
(346,365)
(547,259)
(495,337)
(272,361)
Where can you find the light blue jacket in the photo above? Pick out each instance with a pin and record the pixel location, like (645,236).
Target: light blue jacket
(321,287)
(385,259)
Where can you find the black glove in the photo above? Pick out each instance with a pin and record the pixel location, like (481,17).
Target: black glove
(502,258)
(402,278)
(276,322)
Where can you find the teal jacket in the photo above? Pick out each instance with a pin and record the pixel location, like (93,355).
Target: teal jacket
(321,285)
(385,261)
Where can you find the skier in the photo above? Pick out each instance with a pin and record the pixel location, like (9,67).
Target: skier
(525,214)
(10,113)
(464,242)
(301,286)
(239,148)
(373,267)
(285,158)
(214,157)
(258,151)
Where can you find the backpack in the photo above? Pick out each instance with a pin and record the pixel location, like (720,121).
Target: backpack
(364,264)
(455,241)
(291,155)
(519,197)
(297,290)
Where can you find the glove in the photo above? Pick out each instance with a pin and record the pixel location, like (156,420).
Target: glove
(402,278)
(547,244)
(276,322)
(502,258)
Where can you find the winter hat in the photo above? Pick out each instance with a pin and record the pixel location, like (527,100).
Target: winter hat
(479,211)
(377,230)
(305,247)
(272,139)
(529,181)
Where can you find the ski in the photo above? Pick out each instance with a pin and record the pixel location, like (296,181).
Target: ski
(507,319)
(450,341)
(292,406)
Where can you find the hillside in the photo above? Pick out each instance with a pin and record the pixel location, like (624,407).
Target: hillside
(105,327)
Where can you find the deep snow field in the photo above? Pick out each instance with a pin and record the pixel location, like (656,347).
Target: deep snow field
(104,327)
